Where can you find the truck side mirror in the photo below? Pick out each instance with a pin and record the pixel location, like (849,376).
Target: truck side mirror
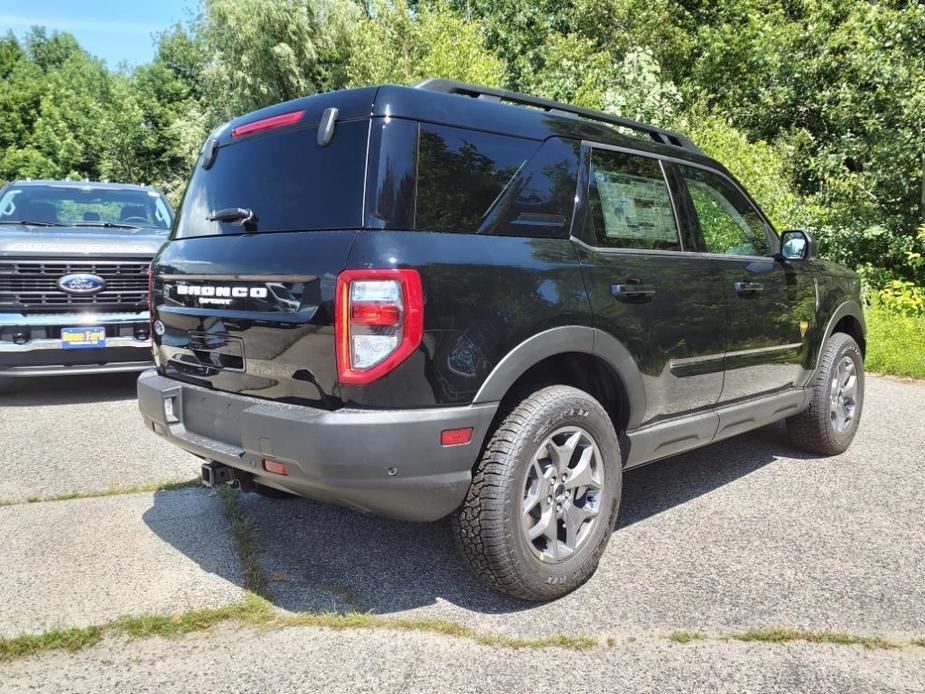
(797,244)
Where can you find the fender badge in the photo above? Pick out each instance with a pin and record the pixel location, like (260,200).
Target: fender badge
(804,326)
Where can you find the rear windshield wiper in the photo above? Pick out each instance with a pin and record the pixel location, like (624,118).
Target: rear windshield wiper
(235,215)
(106,225)
(29,223)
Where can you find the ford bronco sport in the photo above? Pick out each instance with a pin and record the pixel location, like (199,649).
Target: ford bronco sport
(74,257)
(452,300)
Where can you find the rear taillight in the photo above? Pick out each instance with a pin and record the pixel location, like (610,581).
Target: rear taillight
(379,318)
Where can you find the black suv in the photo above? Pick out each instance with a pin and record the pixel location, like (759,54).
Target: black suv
(456,300)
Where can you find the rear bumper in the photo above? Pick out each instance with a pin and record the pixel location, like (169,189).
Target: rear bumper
(387,462)
(30,345)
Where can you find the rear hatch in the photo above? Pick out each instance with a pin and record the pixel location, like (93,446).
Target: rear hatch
(244,291)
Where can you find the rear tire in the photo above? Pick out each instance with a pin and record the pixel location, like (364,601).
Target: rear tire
(544,496)
(828,425)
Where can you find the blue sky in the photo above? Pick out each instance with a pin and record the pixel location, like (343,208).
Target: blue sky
(115,30)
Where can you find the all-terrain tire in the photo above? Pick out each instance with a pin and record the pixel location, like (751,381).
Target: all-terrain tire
(488,527)
(814,430)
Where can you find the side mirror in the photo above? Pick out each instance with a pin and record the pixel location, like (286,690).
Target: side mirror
(797,245)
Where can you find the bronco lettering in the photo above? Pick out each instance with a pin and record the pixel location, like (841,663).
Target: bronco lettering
(207,290)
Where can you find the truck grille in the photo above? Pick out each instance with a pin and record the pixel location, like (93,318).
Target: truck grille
(32,286)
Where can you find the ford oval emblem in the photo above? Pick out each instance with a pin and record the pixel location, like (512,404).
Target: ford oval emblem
(82,283)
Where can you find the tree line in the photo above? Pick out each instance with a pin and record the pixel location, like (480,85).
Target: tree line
(817,105)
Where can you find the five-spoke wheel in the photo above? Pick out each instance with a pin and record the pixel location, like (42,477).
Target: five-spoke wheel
(562,493)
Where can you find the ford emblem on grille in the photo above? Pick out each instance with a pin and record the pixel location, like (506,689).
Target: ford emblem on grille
(82,283)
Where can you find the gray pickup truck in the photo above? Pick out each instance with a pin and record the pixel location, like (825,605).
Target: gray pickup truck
(74,259)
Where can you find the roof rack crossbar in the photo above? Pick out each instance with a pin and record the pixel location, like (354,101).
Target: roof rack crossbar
(657,134)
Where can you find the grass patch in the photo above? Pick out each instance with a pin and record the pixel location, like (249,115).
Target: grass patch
(57,639)
(254,610)
(361,620)
(784,635)
(245,542)
(682,636)
(112,491)
(895,344)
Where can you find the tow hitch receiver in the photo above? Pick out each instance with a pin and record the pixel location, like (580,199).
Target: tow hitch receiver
(216,474)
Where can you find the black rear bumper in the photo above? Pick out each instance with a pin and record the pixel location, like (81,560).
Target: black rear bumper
(387,462)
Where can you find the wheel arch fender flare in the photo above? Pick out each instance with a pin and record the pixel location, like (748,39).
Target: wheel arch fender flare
(562,340)
(846,308)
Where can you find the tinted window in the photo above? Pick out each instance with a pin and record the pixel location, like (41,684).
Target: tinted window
(540,200)
(630,206)
(462,174)
(285,178)
(393,147)
(729,223)
(84,206)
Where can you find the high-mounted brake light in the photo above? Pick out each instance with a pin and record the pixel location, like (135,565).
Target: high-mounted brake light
(379,322)
(268,123)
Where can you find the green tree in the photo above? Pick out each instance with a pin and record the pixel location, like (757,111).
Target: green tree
(260,52)
(395,44)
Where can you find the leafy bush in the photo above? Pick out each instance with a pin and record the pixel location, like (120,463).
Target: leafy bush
(895,343)
(900,297)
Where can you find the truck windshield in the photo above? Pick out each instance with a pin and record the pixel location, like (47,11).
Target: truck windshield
(84,206)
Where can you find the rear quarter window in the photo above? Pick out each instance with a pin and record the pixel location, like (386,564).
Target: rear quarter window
(475,182)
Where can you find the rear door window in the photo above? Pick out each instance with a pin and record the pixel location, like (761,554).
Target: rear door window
(286,178)
(630,206)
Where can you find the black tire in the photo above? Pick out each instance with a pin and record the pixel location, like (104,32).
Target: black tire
(272,493)
(814,430)
(488,526)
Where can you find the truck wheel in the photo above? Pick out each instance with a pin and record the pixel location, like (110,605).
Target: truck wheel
(544,496)
(828,425)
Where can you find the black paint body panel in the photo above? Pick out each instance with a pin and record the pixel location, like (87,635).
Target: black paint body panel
(694,345)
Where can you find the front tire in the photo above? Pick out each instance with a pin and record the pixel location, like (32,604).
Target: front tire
(828,425)
(544,496)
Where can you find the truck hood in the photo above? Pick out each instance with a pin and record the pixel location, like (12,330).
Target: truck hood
(21,241)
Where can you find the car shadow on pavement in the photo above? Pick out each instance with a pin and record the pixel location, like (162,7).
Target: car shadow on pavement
(318,557)
(67,390)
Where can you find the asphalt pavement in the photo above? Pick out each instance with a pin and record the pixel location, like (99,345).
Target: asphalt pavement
(71,434)
(745,534)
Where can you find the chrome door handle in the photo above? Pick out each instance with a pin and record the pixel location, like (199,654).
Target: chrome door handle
(748,287)
(632,292)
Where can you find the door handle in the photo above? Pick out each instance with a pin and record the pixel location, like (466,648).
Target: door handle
(748,287)
(632,292)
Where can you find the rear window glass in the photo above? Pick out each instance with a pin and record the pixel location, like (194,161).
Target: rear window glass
(462,174)
(285,178)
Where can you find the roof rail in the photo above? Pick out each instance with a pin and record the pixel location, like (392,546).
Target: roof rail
(660,135)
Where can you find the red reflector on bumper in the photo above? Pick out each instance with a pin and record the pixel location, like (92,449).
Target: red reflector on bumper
(277,468)
(455,437)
